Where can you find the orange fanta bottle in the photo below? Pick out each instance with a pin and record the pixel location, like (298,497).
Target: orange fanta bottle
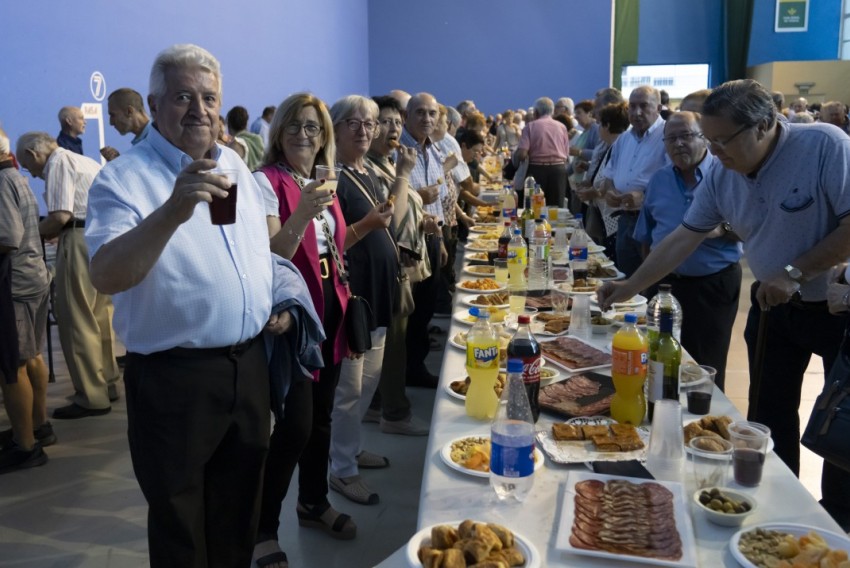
(629,350)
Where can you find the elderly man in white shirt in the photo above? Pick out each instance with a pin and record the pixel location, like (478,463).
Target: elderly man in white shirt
(635,156)
(83,315)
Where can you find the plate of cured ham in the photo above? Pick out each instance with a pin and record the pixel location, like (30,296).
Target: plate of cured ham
(624,518)
(574,355)
(585,394)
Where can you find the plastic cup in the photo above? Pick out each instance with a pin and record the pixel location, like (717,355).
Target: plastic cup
(666,452)
(560,299)
(223,209)
(580,315)
(710,459)
(698,383)
(330,174)
(516,299)
(749,443)
(553,213)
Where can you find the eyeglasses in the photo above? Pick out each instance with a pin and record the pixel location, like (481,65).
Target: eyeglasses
(311,129)
(723,143)
(685,137)
(391,122)
(354,124)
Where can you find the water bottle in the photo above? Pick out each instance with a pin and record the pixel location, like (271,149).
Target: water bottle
(528,186)
(578,252)
(538,259)
(512,440)
(560,250)
(664,298)
(507,203)
(524,347)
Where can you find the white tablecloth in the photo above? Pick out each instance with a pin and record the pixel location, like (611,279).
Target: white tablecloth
(448,495)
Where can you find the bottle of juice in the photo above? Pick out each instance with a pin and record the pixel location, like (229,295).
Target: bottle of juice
(629,365)
(538,201)
(482,365)
(517,259)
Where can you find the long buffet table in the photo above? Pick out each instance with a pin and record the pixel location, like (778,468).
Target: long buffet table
(448,495)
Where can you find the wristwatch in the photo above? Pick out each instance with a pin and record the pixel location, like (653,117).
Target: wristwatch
(794,273)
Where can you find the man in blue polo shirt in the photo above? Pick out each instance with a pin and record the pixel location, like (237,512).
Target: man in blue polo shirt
(708,282)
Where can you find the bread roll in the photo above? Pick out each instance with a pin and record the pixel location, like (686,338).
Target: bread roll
(504,534)
(453,558)
(443,536)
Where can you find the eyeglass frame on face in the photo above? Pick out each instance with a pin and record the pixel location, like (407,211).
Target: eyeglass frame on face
(722,145)
(685,137)
(387,122)
(311,129)
(355,124)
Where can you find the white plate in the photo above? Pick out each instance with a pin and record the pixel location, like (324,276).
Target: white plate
(501,288)
(637,301)
(493,247)
(595,249)
(582,369)
(680,513)
(471,258)
(770,443)
(619,276)
(446,455)
(560,451)
(467,301)
(532,555)
(475,268)
(482,228)
(832,540)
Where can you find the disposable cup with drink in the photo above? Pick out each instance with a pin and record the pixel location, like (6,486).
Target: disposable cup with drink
(330,174)
(698,383)
(223,209)
(500,266)
(749,442)
(666,453)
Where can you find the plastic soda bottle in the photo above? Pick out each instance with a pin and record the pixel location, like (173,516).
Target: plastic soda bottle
(512,440)
(578,250)
(508,203)
(538,200)
(482,366)
(525,348)
(517,259)
(528,186)
(505,239)
(629,354)
(664,298)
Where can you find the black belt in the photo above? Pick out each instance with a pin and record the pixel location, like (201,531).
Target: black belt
(75,224)
(547,163)
(796,302)
(230,351)
(623,213)
(675,276)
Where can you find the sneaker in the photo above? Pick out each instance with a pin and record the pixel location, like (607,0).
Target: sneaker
(410,426)
(373,416)
(44,435)
(354,489)
(13,458)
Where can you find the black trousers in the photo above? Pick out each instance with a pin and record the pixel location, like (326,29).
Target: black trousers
(303,437)
(709,306)
(794,333)
(198,427)
(425,297)
(553,180)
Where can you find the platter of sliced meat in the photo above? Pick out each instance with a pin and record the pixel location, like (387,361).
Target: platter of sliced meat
(586,394)
(575,355)
(626,518)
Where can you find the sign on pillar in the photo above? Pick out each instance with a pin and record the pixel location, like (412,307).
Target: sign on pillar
(94,111)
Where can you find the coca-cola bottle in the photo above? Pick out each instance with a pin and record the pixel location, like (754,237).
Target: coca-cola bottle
(523,346)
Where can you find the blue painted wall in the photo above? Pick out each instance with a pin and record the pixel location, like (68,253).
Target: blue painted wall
(267,49)
(820,42)
(673,31)
(502,53)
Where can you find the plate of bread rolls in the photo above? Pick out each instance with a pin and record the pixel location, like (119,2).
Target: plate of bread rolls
(467,543)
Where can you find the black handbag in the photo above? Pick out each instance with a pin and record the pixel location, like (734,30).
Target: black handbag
(357,318)
(828,431)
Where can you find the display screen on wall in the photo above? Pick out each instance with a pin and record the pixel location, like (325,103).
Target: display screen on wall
(677,80)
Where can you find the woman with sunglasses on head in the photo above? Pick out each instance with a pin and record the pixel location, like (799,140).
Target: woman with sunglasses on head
(309,229)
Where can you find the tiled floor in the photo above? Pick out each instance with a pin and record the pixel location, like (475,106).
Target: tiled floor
(84,508)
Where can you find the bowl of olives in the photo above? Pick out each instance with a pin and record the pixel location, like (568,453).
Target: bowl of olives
(600,325)
(725,506)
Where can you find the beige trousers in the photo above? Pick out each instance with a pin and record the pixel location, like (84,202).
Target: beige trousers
(84,319)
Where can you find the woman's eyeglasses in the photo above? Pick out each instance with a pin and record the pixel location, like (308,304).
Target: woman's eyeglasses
(311,129)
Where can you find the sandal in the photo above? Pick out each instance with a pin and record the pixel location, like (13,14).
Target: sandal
(323,516)
(274,556)
(368,460)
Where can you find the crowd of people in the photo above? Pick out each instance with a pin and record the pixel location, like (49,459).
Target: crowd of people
(228,325)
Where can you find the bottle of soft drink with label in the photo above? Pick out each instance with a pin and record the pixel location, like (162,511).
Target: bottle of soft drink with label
(528,187)
(578,251)
(538,201)
(482,366)
(538,259)
(628,370)
(524,347)
(512,440)
(517,260)
(504,240)
(508,203)
(665,356)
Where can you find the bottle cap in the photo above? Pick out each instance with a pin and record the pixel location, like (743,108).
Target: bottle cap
(473,312)
(483,313)
(630,318)
(665,287)
(543,216)
(517,231)
(507,223)
(523,319)
(579,216)
(515,365)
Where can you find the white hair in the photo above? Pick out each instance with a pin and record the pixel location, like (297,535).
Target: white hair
(40,142)
(4,142)
(346,106)
(544,106)
(567,103)
(181,55)
(803,117)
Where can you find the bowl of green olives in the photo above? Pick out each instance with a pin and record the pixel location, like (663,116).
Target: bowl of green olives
(725,507)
